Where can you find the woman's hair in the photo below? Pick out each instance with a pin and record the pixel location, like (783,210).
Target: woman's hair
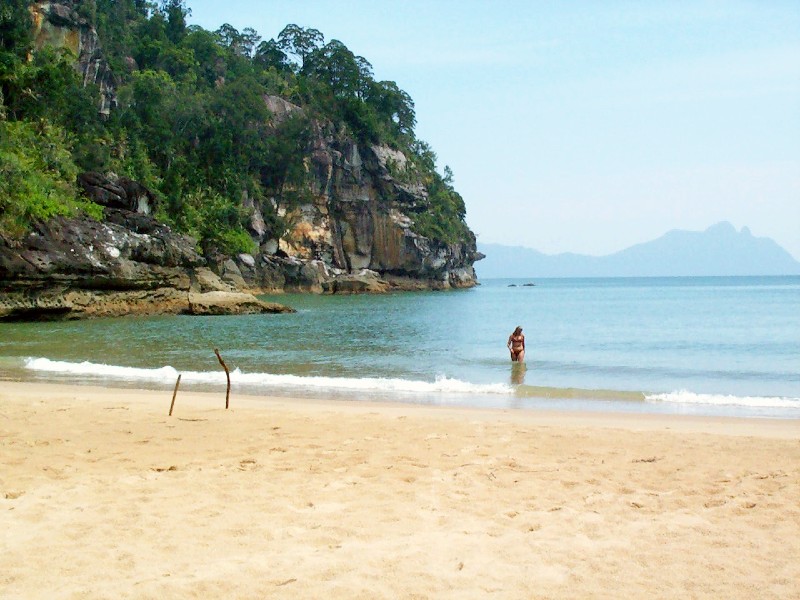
(518,330)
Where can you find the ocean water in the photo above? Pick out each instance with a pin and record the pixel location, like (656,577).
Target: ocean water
(712,346)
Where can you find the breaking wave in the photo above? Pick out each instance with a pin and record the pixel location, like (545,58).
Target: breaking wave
(167,375)
(691,398)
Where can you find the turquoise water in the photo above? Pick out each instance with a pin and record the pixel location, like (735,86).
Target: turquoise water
(719,346)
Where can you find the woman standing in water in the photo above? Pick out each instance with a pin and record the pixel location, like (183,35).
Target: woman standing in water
(516,345)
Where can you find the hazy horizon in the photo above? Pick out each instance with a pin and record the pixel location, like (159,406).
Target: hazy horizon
(738,230)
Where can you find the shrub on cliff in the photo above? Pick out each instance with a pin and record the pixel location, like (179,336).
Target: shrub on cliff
(37,176)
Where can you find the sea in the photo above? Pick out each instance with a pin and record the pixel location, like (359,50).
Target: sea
(713,346)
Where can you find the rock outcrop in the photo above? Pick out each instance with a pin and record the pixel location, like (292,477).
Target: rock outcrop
(358,225)
(128,264)
(59,25)
(118,192)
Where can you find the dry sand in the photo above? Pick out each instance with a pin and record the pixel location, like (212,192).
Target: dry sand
(104,496)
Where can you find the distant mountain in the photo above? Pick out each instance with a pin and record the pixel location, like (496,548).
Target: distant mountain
(719,250)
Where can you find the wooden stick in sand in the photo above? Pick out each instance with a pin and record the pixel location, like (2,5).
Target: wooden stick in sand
(175,393)
(228,375)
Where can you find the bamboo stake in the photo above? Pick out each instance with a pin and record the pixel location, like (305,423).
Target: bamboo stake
(175,393)
(228,375)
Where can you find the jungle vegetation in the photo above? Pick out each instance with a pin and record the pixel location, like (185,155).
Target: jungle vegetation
(190,121)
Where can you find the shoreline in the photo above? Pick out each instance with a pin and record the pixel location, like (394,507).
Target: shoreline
(153,399)
(570,400)
(103,495)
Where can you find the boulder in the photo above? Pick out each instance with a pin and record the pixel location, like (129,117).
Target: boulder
(117,192)
(231,303)
(360,283)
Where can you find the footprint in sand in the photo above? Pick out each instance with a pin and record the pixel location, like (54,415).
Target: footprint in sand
(248,464)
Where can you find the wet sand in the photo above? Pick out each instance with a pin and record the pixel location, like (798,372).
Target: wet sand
(102,495)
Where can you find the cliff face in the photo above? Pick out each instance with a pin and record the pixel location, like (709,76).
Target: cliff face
(359,225)
(58,25)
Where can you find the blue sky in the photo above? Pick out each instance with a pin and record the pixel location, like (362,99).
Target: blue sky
(585,126)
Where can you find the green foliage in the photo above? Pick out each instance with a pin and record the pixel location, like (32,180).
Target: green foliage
(270,56)
(130,157)
(87,9)
(299,41)
(216,222)
(394,107)
(37,176)
(283,172)
(15,28)
(191,122)
(443,217)
(176,13)
(443,221)
(49,88)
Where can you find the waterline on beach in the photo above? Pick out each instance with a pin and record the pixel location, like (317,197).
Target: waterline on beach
(442,391)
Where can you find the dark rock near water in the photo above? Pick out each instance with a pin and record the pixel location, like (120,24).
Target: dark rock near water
(128,264)
(230,303)
(364,282)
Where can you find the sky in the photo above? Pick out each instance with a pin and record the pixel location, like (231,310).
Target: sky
(585,126)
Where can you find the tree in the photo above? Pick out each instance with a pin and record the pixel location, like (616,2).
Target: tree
(208,54)
(448,176)
(15,43)
(346,74)
(300,42)
(117,27)
(393,106)
(250,40)
(284,167)
(15,27)
(216,222)
(176,13)
(364,76)
(269,54)
(240,44)
(424,155)
(48,87)
(154,96)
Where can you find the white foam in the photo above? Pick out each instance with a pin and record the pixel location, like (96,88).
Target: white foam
(110,371)
(687,397)
(443,385)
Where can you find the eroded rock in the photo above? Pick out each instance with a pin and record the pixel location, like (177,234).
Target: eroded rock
(127,265)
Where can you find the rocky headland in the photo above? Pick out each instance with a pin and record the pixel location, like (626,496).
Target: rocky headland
(353,232)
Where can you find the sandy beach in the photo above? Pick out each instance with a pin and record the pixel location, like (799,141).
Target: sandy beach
(102,495)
